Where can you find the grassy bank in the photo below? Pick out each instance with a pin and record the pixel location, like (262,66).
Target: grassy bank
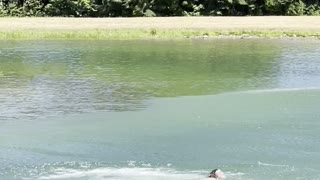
(147,34)
(158,28)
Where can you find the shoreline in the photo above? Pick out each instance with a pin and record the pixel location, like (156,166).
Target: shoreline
(159,28)
(154,34)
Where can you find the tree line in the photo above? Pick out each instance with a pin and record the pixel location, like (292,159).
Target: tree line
(138,8)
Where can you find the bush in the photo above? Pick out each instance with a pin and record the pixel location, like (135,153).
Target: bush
(14,10)
(150,8)
(33,8)
(296,9)
(60,8)
(84,8)
(3,12)
(313,10)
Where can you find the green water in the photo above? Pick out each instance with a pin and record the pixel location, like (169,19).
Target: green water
(159,109)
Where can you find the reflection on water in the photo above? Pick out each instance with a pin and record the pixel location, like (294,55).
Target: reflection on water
(46,96)
(159,109)
(49,78)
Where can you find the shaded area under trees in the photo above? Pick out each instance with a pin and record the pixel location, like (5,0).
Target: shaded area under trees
(138,8)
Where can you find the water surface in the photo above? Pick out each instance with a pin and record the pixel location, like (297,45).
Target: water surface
(159,109)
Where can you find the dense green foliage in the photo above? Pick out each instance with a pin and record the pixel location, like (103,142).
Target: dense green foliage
(132,8)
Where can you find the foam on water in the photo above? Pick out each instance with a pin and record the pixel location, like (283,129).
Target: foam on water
(123,173)
(280,90)
(273,165)
(134,173)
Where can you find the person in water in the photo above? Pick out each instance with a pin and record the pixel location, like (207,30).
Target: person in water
(217,174)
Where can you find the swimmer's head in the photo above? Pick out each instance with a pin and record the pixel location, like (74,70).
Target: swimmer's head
(217,174)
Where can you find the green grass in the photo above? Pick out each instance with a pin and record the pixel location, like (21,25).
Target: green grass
(127,34)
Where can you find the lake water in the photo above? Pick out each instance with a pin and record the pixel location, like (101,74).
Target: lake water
(160,109)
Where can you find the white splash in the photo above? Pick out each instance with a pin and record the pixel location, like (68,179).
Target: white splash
(279,90)
(273,165)
(124,173)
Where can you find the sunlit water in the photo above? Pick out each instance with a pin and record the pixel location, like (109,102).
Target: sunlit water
(160,110)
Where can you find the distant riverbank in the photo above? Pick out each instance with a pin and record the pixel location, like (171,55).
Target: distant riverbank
(159,27)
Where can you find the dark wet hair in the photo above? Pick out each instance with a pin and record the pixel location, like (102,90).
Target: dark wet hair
(213,173)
